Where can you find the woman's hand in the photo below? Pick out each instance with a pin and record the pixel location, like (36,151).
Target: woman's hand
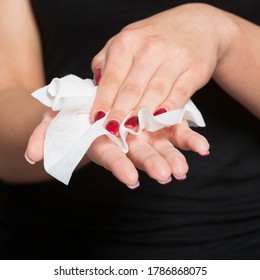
(159,62)
(152,152)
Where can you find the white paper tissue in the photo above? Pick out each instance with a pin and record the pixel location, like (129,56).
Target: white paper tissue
(71,132)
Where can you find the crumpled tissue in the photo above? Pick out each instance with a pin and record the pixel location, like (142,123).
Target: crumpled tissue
(71,132)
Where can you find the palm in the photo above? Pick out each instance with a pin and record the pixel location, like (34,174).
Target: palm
(153,152)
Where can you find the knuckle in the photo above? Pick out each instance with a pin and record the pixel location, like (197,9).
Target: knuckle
(182,91)
(104,104)
(110,79)
(105,157)
(152,46)
(178,97)
(116,163)
(131,89)
(98,60)
(172,104)
(125,39)
(150,163)
(95,61)
(158,88)
(181,52)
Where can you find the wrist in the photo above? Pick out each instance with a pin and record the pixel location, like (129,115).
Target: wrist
(230,34)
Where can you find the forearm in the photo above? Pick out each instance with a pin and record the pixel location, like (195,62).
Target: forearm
(238,70)
(19,114)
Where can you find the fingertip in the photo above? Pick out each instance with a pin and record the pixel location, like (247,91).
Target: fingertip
(99,115)
(113,127)
(135,186)
(165,182)
(180,169)
(203,146)
(126,173)
(97,76)
(34,153)
(160,171)
(28,159)
(180,178)
(159,111)
(34,150)
(198,144)
(131,177)
(205,154)
(132,123)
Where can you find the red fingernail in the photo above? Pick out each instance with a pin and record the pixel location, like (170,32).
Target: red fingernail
(99,115)
(97,76)
(132,122)
(205,155)
(112,127)
(160,111)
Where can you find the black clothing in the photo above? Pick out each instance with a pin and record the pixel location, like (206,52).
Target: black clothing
(213,214)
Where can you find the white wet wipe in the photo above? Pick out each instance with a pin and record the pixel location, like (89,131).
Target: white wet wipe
(71,132)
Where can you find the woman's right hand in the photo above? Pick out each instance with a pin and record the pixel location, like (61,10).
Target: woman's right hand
(159,62)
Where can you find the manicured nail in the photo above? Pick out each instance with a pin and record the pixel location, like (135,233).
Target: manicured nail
(134,186)
(160,111)
(99,115)
(97,76)
(165,182)
(132,122)
(112,127)
(28,159)
(206,154)
(180,178)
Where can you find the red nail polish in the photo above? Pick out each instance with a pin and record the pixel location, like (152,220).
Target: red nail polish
(99,115)
(97,76)
(160,111)
(132,122)
(112,127)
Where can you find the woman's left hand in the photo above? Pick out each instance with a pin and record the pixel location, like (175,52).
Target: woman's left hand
(153,152)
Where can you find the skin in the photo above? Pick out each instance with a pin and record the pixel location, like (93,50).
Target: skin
(23,117)
(153,153)
(198,42)
(175,53)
